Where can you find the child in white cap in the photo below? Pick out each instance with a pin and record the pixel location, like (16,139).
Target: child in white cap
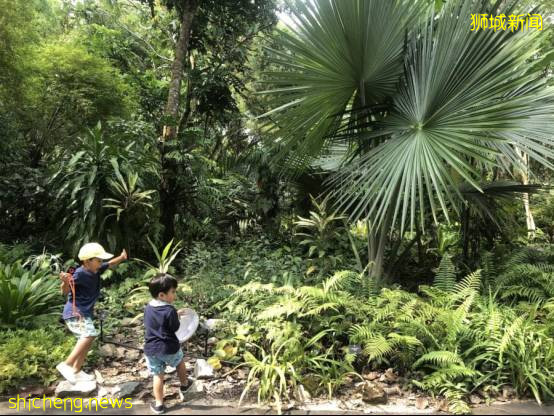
(83,290)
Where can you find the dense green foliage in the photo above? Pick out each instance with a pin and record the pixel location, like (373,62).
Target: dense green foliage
(32,356)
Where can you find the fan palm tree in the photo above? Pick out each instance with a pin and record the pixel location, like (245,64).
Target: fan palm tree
(409,104)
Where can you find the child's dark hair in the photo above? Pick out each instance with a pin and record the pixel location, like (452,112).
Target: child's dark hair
(162,282)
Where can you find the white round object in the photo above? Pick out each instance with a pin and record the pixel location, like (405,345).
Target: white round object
(189,323)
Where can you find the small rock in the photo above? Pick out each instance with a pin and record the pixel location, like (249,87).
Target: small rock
(422,403)
(126,389)
(121,352)
(203,370)
(475,399)
(373,393)
(111,372)
(195,390)
(212,324)
(133,355)
(373,375)
(170,370)
(79,389)
(442,405)
(393,391)
(99,378)
(103,392)
(108,350)
(301,395)
(389,375)
(354,404)
(143,394)
(127,322)
(242,374)
(508,392)
(144,374)
(32,391)
(212,341)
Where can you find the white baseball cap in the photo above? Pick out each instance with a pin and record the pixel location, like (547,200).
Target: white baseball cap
(92,250)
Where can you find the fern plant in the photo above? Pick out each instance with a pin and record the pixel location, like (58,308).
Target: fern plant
(459,337)
(303,325)
(446,276)
(533,283)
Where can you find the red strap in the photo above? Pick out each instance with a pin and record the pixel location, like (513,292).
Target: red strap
(71,283)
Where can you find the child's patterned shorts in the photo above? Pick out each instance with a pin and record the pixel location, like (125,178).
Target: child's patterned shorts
(82,327)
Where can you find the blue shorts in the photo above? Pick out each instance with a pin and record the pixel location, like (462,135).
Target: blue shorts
(82,327)
(156,364)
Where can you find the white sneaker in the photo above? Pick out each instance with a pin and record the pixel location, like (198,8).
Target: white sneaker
(67,372)
(82,376)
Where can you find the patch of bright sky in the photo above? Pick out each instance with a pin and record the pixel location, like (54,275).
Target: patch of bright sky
(285,18)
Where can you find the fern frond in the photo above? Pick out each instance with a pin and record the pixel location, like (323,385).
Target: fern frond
(377,347)
(361,333)
(456,403)
(318,309)
(445,279)
(440,358)
(339,280)
(470,283)
(442,376)
(494,324)
(404,340)
(509,335)
(284,307)
(466,305)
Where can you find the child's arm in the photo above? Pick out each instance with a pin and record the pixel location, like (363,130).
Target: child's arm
(116,260)
(64,287)
(173,321)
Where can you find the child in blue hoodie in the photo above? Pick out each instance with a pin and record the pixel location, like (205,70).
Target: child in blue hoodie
(161,346)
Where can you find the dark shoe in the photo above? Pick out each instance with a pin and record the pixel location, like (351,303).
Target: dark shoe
(184,390)
(157,409)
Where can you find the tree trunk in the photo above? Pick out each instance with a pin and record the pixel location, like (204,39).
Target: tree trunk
(377,239)
(524,177)
(168,185)
(465,218)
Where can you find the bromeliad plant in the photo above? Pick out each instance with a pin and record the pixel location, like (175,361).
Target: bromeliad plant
(320,232)
(140,295)
(28,295)
(129,204)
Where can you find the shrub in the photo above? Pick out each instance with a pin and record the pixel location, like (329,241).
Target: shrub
(458,340)
(10,254)
(28,296)
(32,355)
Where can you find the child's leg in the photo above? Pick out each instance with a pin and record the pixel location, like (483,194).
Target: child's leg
(159,388)
(79,353)
(182,372)
(81,359)
(85,330)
